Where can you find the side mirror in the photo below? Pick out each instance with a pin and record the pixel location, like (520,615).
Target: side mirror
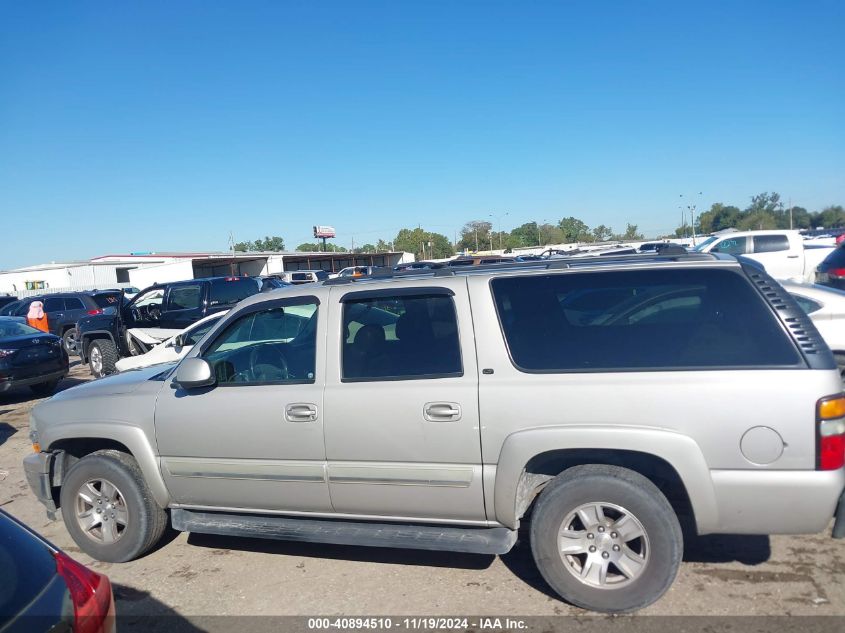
(194,373)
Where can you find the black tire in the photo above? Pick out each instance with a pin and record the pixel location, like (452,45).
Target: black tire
(44,388)
(639,497)
(102,356)
(146,520)
(69,341)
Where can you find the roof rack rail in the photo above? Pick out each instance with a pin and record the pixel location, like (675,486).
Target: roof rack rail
(556,263)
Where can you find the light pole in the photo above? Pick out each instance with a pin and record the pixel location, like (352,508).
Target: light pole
(498,219)
(692,206)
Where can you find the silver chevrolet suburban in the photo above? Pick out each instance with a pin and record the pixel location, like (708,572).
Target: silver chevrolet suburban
(446,409)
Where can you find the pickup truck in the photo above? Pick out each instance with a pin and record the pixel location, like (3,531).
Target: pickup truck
(784,254)
(445,409)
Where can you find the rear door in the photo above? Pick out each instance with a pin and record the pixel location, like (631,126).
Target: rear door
(401,402)
(183,305)
(55,309)
(780,258)
(74,310)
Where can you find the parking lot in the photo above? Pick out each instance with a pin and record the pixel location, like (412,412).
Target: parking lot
(198,575)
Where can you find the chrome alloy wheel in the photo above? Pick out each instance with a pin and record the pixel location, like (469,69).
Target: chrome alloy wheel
(603,545)
(96,361)
(101,511)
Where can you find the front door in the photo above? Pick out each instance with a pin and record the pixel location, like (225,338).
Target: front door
(255,439)
(401,403)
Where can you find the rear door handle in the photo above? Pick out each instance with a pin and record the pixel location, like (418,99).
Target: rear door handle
(442,411)
(301,412)
(792,256)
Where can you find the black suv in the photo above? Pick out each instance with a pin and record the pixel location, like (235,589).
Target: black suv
(64,309)
(155,314)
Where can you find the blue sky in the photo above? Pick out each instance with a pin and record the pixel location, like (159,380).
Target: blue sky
(165,125)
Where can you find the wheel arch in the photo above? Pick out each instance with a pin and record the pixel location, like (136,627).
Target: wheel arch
(674,462)
(96,437)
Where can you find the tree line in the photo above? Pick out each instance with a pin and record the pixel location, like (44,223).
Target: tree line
(766,211)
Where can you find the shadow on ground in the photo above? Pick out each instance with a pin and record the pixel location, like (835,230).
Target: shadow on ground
(139,611)
(6,430)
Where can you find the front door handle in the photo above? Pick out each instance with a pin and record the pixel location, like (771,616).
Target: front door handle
(442,411)
(301,412)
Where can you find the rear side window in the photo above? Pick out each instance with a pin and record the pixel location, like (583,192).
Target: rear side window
(770,243)
(73,303)
(228,292)
(401,337)
(54,304)
(639,320)
(184,297)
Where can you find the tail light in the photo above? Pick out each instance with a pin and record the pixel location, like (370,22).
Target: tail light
(836,273)
(91,594)
(94,312)
(831,433)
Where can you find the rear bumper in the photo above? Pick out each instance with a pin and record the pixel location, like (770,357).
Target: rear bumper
(39,475)
(11,381)
(778,501)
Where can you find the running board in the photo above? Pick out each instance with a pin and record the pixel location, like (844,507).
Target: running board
(428,537)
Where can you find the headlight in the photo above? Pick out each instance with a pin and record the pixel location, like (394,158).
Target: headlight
(7,352)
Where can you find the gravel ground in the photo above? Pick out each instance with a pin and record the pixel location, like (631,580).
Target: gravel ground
(209,575)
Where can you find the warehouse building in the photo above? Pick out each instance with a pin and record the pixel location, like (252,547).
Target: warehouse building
(140,270)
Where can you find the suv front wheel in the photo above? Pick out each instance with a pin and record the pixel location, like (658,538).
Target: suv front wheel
(606,539)
(102,356)
(108,508)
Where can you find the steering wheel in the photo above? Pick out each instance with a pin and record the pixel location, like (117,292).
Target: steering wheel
(154,312)
(267,363)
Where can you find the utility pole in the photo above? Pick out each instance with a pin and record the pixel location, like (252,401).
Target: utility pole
(790,214)
(692,207)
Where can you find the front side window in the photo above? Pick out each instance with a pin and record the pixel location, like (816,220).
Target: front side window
(184,297)
(400,337)
(273,346)
(639,320)
(770,243)
(731,246)
(193,336)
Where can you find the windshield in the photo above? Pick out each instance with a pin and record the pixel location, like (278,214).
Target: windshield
(11,328)
(705,243)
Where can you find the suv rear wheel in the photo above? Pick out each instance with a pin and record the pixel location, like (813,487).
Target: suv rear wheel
(102,356)
(606,539)
(108,508)
(69,340)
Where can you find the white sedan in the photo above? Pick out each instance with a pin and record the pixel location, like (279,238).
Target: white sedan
(172,348)
(826,307)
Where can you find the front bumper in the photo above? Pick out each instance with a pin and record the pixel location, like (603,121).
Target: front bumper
(39,469)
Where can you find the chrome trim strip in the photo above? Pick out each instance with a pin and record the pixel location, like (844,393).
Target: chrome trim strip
(261,470)
(401,475)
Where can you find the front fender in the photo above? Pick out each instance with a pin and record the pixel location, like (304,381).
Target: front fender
(131,437)
(678,450)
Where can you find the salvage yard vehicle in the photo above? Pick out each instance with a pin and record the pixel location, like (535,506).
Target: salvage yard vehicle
(154,315)
(445,409)
(826,307)
(785,254)
(44,590)
(30,358)
(64,309)
(172,349)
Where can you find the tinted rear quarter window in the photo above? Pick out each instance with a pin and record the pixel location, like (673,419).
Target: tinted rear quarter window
(74,303)
(836,258)
(231,291)
(770,243)
(639,320)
